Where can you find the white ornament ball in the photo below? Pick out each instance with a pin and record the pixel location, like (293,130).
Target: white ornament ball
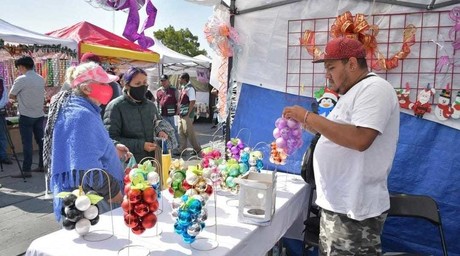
(191,178)
(153,178)
(91,212)
(176,203)
(82,227)
(77,192)
(82,203)
(191,192)
(207,172)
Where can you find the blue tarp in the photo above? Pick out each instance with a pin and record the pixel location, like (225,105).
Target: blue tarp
(426,163)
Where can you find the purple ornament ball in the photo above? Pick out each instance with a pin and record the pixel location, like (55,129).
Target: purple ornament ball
(281,123)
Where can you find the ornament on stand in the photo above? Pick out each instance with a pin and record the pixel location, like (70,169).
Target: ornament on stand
(326,99)
(423,105)
(403,97)
(141,199)
(443,109)
(191,217)
(234,148)
(232,170)
(456,107)
(210,161)
(176,177)
(80,210)
(255,161)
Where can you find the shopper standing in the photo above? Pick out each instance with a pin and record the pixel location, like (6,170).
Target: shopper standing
(167,98)
(29,91)
(187,99)
(353,157)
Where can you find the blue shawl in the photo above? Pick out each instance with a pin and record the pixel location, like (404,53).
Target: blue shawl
(80,142)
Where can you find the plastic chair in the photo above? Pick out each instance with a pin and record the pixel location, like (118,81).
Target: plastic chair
(417,206)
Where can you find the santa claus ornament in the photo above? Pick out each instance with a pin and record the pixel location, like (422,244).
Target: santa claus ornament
(443,110)
(423,104)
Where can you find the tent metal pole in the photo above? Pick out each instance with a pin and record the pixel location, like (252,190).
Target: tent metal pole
(430,6)
(230,64)
(267,6)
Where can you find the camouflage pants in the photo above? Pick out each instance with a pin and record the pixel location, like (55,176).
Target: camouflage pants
(340,235)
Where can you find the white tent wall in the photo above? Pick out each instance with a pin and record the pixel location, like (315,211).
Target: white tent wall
(17,35)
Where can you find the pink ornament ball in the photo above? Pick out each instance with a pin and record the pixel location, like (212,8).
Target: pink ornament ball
(276,133)
(281,142)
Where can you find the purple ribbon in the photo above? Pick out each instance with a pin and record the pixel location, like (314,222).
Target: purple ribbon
(455,16)
(442,61)
(132,23)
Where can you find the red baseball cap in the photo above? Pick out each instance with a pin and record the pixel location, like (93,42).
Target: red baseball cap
(343,48)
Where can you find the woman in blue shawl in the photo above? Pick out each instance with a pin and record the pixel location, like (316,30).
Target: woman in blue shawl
(77,141)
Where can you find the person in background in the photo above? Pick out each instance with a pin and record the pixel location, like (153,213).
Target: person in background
(133,120)
(353,157)
(76,140)
(4,159)
(116,88)
(187,99)
(29,91)
(215,118)
(167,98)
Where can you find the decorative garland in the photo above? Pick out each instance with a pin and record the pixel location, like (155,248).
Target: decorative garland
(356,27)
(20,49)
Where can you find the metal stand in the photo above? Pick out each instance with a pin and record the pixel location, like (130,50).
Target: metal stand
(10,142)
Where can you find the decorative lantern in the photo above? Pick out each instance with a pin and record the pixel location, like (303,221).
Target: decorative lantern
(257,197)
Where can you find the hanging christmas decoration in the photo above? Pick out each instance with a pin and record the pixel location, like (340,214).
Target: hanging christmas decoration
(132,23)
(357,27)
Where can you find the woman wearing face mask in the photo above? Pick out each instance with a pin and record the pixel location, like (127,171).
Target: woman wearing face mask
(76,140)
(134,121)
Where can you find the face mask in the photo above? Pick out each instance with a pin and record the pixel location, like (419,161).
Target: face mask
(101,92)
(138,93)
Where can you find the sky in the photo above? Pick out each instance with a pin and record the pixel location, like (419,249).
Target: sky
(47,15)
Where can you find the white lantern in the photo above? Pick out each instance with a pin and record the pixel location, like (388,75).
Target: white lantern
(257,197)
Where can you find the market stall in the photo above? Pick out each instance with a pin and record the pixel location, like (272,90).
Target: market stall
(419,40)
(51,55)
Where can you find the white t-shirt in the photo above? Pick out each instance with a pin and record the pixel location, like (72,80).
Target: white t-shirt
(352,182)
(30,92)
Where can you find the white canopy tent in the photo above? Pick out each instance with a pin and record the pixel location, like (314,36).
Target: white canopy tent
(10,33)
(174,62)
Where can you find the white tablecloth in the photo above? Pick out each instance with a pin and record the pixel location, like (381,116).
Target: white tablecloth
(234,238)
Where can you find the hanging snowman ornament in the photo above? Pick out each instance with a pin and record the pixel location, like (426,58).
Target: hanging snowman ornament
(423,104)
(443,110)
(456,107)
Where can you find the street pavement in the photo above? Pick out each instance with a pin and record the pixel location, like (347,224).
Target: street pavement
(26,210)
